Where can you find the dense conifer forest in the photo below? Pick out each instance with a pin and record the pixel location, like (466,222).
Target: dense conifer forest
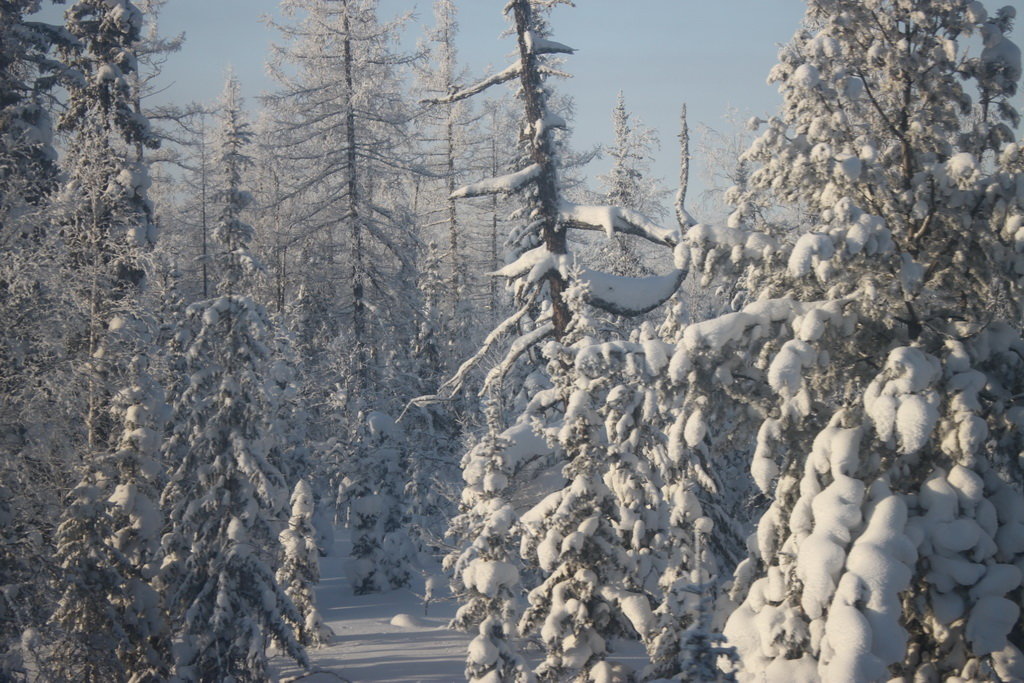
(382,310)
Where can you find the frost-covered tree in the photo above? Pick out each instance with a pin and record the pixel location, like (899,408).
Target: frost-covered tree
(447,134)
(300,571)
(580,600)
(91,570)
(543,262)
(232,233)
(485,569)
(584,536)
(27,75)
(875,355)
(629,184)
(187,242)
(33,377)
(684,645)
(340,140)
(224,500)
(108,536)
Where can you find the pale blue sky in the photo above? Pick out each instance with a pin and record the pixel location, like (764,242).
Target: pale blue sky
(660,53)
(711,54)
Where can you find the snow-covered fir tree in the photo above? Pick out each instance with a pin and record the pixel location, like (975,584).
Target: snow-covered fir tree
(91,570)
(381,548)
(108,537)
(875,354)
(108,218)
(232,233)
(112,618)
(576,574)
(300,571)
(683,645)
(573,534)
(486,569)
(225,498)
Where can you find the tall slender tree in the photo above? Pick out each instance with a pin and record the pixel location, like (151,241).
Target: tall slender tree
(108,217)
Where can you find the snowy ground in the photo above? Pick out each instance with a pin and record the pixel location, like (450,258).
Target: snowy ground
(381,637)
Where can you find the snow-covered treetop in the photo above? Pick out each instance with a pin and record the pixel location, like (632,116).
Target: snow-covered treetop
(232,232)
(107,32)
(889,131)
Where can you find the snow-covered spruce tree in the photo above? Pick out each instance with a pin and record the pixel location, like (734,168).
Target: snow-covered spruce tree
(292,454)
(232,233)
(684,645)
(112,619)
(300,567)
(381,549)
(111,529)
(92,572)
(225,497)
(879,356)
(486,569)
(592,539)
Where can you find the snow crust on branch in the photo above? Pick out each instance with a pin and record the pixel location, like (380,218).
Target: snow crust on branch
(629,296)
(539,45)
(504,76)
(506,184)
(613,219)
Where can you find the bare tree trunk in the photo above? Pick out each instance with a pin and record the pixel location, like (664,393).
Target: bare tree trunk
(494,265)
(358,303)
(455,276)
(684,170)
(202,204)
(541,153)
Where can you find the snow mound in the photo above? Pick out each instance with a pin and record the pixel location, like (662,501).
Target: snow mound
(409,621)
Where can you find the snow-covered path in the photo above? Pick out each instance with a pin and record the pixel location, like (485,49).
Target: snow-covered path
(381,637)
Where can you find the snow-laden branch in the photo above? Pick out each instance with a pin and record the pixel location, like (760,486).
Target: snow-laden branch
(535,264)
(504,76)
(753,243)
(629,296)
(613,219)
(506,184)
(551,121)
